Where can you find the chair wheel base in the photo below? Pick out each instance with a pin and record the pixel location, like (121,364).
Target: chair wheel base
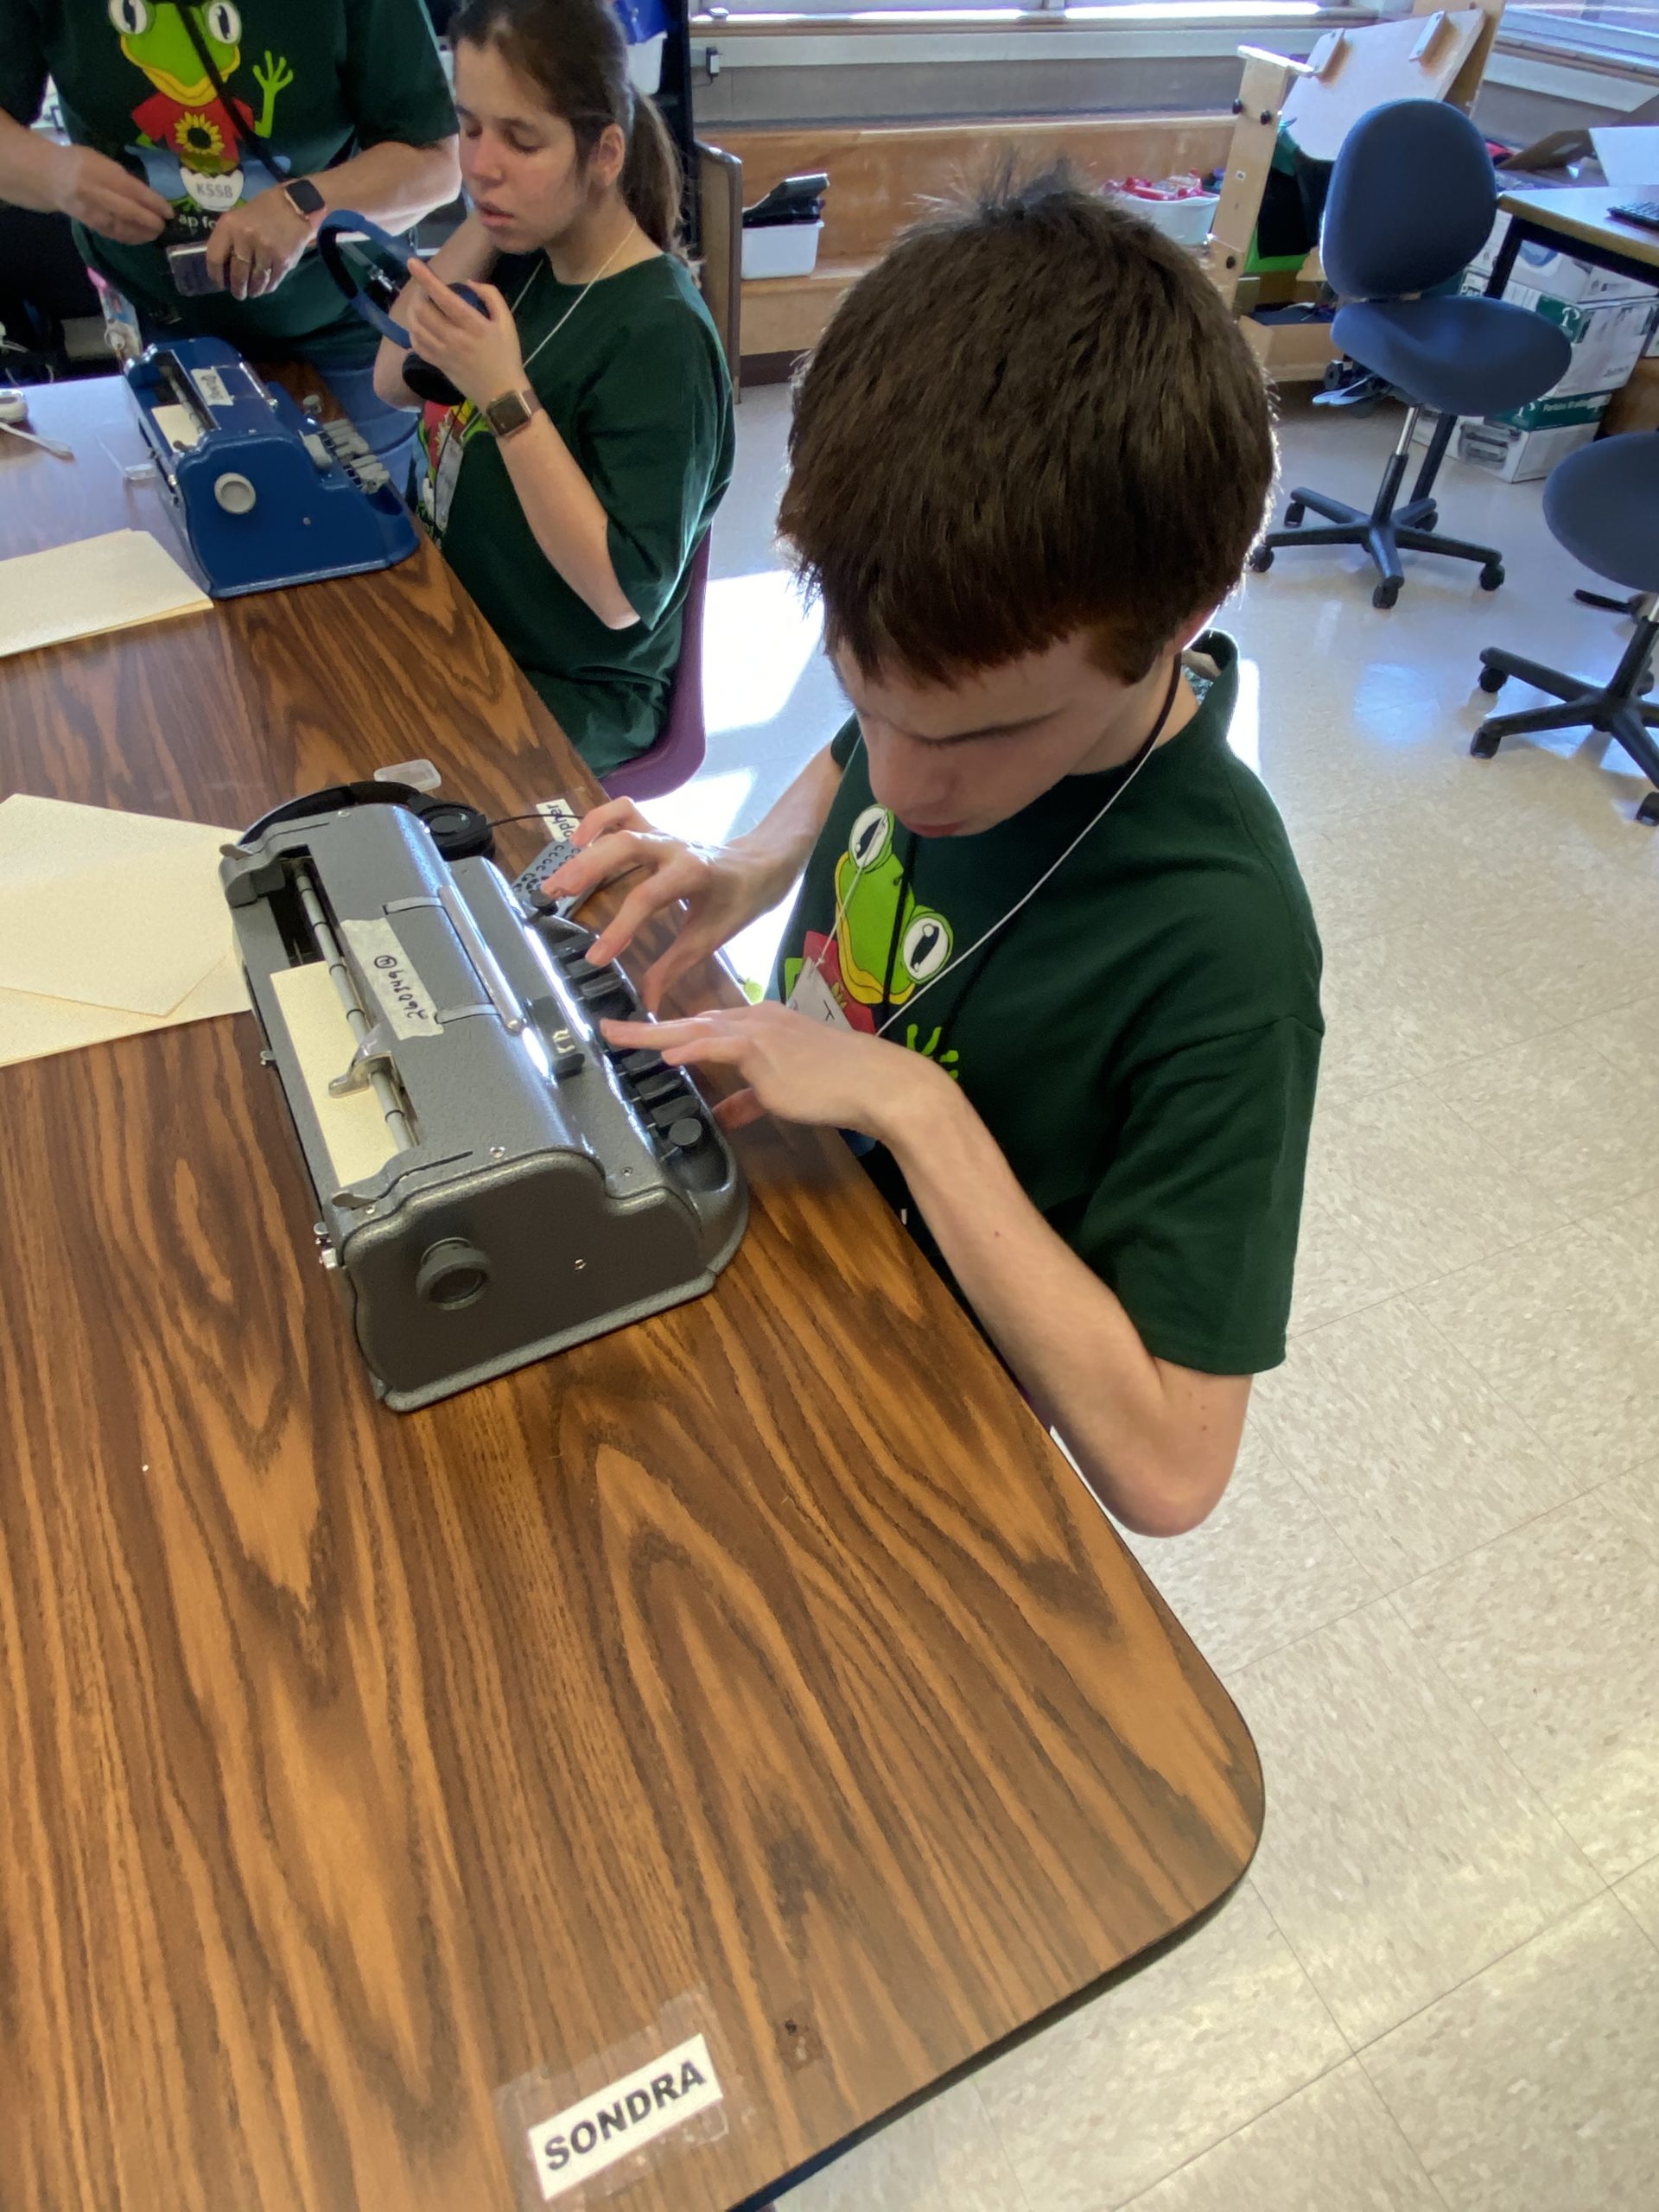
(1491,575)
(1484,744)
(1492,679)
(1649,810)
(1262,560)
(1293,514)
(1386,593)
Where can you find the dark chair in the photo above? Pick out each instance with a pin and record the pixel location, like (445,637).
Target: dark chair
(678,753)
(1603,504)
(1413,200)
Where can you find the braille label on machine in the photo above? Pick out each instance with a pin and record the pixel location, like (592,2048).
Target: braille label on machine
(210,387)
(393,977)
(618,2120)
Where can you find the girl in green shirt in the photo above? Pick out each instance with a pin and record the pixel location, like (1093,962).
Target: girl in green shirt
(573,483)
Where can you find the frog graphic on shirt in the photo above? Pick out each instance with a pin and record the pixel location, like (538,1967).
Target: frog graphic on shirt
(872,927)
(187,140)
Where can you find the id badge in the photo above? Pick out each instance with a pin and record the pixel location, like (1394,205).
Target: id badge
(812,995)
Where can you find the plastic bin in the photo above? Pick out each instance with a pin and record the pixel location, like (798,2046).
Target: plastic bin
(782,250)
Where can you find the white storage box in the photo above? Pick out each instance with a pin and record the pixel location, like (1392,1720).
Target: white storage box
(1607,336)
(782,250)
(1518,456)
(1187,221)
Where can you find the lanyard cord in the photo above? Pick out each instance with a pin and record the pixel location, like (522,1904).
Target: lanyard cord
(1018,905)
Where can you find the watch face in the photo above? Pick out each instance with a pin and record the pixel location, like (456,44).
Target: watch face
(303,196)
(507,413)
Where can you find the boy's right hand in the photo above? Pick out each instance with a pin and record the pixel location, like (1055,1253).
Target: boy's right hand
(723,888)
(106,198)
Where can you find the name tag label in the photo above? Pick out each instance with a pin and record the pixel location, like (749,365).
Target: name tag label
(813,996)
(393,977)
(617,2120)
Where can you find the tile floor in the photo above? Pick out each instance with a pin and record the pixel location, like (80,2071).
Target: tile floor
(1433,1587)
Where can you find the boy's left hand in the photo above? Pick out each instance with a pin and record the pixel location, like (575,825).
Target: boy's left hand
(480,354)
(799,1068)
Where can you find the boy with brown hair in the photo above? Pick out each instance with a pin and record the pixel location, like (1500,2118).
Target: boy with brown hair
(1051,960)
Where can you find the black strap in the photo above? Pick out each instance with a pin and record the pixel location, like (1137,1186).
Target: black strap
(244,144)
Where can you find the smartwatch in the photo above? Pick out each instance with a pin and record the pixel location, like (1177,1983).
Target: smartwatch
(303,197)
(510,412)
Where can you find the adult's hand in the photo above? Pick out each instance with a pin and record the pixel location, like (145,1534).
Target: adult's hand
(253,247)
(106,198)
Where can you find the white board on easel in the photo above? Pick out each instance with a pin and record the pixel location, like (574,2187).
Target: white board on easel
(1350,72)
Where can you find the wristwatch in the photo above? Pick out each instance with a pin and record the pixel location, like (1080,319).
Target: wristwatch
(303,197)
(510,412)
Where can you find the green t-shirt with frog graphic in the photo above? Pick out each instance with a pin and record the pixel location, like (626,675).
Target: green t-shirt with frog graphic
(310,84)
(1142,1040)
(631,373)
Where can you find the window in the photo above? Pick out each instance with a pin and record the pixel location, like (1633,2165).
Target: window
(1600,30)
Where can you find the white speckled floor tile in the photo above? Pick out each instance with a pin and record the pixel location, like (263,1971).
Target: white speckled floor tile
(1399,1004)
(1330,2148)
(1413,1458)
(944,2157)
(1563,1329)
(1563,1114)
(1639,1894)
(1401,1190)
(1552,1633)
(1532,2087)
(1096,2109)
(1402,1850)
(1633,1500)
(1265,1568)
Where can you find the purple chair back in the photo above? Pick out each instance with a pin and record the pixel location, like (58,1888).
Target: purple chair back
(678,753)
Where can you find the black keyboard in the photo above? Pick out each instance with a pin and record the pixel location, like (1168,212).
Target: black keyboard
(1643,212)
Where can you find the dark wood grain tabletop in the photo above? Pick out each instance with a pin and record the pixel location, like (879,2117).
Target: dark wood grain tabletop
(760,1671)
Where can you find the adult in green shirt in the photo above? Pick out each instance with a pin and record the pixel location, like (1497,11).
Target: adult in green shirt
(1051,960)
(334,104)
(572,483)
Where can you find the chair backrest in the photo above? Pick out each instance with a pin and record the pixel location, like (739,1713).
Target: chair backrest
(678,753)
(1413,200)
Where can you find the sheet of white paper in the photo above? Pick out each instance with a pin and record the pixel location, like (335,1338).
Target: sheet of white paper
(81,590)
(111,910)
(1629,153)
(33,1028)
(353,1129)
(177,424)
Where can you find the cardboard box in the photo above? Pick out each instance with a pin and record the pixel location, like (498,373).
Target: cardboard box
(1548,269)
(1519,456)
(1608,337)
(1555,412)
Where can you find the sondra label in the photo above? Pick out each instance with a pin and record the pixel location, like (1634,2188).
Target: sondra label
(615,2121)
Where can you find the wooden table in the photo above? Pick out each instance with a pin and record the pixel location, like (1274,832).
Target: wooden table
(761,1669)
(1579,221)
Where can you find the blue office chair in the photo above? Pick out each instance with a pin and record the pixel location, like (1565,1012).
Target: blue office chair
(1603,504)
(1413,200)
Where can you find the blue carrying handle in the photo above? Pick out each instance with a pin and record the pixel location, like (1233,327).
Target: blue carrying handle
(391,256)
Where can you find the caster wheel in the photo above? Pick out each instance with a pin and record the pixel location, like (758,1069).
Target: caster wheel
(1491,575)
(1642,689)
(1649,810)
(1385,594)
(1492,679)
(1262,560)
(1293,514)
(1431,520)
(1483,745)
